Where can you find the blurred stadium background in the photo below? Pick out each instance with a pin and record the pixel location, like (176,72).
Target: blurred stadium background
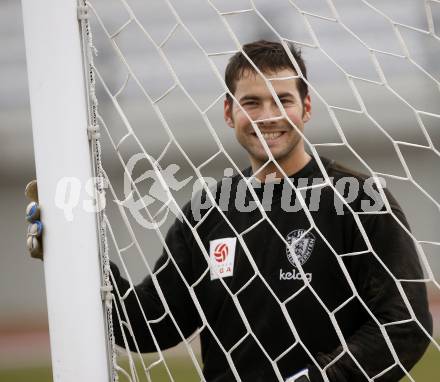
(24,338)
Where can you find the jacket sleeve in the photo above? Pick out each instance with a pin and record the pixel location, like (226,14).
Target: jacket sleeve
(377,287)
(144,304)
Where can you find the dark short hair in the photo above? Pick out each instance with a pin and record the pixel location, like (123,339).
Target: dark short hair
(267,56)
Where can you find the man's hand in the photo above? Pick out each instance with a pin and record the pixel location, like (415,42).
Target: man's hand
(35,228)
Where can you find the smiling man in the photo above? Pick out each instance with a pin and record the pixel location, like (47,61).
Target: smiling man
(270,291)
(280,119)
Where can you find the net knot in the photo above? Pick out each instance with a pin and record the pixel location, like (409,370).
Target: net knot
(93,132)
(83,12)
(106,292)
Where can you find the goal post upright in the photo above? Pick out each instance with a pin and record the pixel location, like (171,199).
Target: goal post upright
(59,125)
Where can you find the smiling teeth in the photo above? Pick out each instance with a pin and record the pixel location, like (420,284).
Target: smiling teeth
(268,136)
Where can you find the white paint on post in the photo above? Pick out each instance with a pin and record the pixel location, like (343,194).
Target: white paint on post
(59,124)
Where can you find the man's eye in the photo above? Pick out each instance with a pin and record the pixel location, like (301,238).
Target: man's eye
(249,103)
(286,101)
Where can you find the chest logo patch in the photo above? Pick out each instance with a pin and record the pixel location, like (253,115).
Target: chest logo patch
(221,257)
(301,249)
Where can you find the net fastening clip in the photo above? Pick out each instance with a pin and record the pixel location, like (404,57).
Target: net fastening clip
(83,12)
(93,132)
(106,292)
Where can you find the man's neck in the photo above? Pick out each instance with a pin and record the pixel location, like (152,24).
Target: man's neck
(290,166)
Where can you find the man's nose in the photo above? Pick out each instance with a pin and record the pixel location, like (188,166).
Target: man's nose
(270,114)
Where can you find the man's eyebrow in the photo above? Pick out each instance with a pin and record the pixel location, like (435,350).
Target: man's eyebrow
(249,97)
(285,94)
(253,97)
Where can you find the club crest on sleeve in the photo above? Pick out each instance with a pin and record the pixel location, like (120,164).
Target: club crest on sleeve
(302,249)
(221,257)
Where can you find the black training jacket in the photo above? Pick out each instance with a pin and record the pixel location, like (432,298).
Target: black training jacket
(266,320)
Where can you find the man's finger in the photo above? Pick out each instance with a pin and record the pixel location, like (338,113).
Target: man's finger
(31,190)
(32,212)
(34,247)
(35,229)
(33,241)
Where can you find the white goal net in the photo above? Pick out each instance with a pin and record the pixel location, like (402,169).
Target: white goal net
(156,92)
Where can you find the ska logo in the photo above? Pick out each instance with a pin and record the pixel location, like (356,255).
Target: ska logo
(221,252)
(302,249)
(221,257)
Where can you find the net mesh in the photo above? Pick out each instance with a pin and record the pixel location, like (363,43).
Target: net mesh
(157,71)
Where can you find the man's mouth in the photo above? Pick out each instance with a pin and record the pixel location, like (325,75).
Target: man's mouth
(270,136)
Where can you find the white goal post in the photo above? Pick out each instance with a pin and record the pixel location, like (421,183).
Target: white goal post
(59,122)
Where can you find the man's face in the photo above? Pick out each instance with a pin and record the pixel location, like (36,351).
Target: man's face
(280,135)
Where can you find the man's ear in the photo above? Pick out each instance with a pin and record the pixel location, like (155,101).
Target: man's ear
(227,112)
(307,108)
